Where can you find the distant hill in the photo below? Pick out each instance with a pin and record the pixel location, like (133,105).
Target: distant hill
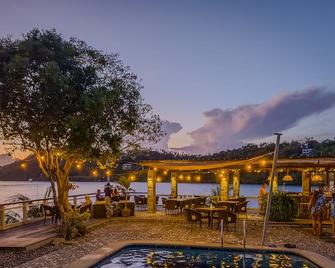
(14,171)
(5,159)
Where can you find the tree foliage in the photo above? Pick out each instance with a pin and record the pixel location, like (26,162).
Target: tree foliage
(67,102)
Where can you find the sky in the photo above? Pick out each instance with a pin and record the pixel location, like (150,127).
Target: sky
(219,73)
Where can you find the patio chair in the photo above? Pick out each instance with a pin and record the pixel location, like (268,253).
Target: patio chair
(50,211)
(171,207)
(186,204)
(163,201)
(241,207)
(193,216)
(227,217)
(202,201)
(139,202)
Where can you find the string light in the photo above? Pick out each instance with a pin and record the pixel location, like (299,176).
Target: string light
(189,178)
(159,179)
(23,165)
(95,173)
(78,166)
(165,172)
(198,178)
(108,172)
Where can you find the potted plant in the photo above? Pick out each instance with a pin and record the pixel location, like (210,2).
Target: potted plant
(124,182)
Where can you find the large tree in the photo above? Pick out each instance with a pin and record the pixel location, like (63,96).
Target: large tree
(67,102)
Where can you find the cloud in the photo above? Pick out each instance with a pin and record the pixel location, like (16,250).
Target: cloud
(224,129)
(168,128)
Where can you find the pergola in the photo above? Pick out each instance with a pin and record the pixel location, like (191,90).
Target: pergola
(231,168)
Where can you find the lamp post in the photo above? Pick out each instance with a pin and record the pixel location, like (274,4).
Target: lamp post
(268,203)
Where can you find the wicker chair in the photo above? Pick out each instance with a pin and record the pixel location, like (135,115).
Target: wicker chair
(139,202)
(241,207)
(171,207)
(193,216)
(50,211)
(227,217)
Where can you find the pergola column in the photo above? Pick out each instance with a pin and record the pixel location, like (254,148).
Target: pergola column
(224,185)
(306,184)
(151,191)
(275,183)
(174,185)
(236,183)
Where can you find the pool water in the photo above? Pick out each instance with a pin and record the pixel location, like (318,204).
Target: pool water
(164,256)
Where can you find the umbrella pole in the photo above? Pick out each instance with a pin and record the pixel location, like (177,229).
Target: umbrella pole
(268,203)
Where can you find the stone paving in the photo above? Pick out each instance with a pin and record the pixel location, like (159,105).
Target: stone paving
(160,227)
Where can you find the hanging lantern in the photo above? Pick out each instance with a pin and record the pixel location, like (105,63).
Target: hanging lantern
(316,178)
(287,177)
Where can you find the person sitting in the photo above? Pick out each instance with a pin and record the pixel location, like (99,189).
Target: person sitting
(99,196)
(115,192)
(108,190)
(86,205)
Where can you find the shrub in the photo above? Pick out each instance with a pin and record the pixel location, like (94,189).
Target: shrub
(283,207)
(76,224)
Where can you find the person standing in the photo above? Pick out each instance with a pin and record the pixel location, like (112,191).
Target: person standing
(261,194)
(316,206)
(332,213)
(108,190)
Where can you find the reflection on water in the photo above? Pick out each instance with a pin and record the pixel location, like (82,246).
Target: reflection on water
(36,190)
(146,256)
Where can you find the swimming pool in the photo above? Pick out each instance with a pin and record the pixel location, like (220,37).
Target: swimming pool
(183,256)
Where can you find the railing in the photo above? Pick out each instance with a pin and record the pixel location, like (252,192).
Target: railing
(18,213)
(22,212)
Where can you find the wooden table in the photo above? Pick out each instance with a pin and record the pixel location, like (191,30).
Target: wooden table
(210,211)
(181,201)
(230,204)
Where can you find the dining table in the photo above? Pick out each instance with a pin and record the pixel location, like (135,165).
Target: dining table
(211,211)
(230,204)
(182,201)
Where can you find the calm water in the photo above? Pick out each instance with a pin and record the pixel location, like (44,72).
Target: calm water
(36,190)
(150,256)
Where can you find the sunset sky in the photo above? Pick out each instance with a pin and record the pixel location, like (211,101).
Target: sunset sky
(224,72)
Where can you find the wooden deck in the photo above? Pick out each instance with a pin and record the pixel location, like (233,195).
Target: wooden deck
(34,235)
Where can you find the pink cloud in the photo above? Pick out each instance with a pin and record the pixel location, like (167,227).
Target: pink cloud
(224,129)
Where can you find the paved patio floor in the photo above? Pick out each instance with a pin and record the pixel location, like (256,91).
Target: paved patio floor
(145,226)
